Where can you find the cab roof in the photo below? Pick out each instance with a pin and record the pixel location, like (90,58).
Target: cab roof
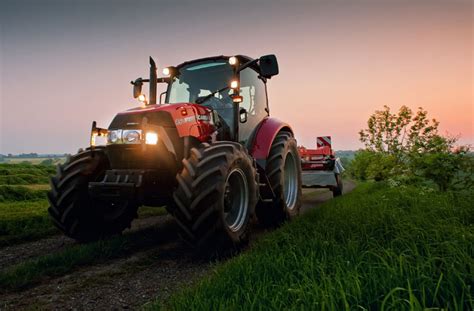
(242,60)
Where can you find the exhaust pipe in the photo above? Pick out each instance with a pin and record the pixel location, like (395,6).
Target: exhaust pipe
(153,82)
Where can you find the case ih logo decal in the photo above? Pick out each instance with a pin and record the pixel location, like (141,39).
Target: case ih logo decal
(323,141)
(184,120)
(199,117)
(203,117)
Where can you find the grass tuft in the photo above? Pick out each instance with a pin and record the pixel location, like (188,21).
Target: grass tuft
(24,221)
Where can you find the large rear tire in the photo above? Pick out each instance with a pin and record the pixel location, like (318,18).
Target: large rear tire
(283,169)
(72,209)
(216,195)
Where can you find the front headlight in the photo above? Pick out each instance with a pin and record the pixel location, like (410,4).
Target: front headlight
(125,137)
(131,137)
(114,136)
(151,138)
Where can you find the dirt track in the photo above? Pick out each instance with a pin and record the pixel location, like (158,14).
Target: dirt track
(159,264)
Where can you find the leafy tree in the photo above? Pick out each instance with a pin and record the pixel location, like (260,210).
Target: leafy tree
(406,146)
(404,132)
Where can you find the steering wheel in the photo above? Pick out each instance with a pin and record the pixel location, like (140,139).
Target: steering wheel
(213,102)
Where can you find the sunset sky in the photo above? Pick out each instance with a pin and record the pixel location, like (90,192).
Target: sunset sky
(66,63)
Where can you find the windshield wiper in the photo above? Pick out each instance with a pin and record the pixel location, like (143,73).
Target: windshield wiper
(203,99)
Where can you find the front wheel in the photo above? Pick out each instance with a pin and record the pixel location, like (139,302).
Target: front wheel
(283,170)
(216,195)
(74,211)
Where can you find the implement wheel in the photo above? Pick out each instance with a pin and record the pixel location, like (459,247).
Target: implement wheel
(337,191)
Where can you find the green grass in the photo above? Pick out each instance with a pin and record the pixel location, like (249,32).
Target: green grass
(20,193)
(376,248)
(45,187)
(30,169)
(25,174)
(23,179)
(23,215)
(24,221)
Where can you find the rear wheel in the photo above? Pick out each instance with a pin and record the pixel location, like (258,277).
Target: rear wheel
(216,195)
(283,170)
(72,209)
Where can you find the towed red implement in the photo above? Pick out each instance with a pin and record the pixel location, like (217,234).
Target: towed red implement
(321,168)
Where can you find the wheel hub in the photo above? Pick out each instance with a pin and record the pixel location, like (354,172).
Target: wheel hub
(290,181)
(236,200)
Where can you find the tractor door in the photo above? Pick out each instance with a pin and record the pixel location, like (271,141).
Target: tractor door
(254,93)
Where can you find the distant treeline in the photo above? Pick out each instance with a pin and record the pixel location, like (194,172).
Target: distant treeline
(32,155)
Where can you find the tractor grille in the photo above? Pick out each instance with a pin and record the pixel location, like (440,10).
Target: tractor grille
(135,157)
(134,120)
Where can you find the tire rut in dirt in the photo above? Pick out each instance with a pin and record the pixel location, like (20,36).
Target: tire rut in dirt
(15,254)
(12,255)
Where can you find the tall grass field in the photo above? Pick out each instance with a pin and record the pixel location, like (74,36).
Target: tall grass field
(23,204)
(377,248)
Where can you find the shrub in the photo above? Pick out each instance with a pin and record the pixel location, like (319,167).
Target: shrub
(446,170)
(374,165)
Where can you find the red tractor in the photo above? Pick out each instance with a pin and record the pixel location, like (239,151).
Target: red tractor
(321,168)
(209,151)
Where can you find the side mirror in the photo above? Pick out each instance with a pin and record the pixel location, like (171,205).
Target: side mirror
(243,115)
(137,87)
(268,66)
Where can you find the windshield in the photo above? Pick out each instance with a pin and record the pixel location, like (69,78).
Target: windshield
(196,82)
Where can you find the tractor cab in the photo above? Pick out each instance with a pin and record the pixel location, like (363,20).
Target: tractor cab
(233,88)
(213,83)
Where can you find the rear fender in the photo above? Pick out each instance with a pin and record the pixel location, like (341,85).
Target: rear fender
(266,133)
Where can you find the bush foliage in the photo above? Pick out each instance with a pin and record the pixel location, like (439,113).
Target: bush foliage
(405,147)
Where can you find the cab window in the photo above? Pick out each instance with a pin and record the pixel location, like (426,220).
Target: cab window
(253,91)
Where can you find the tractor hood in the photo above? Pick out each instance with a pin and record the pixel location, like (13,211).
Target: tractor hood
(189,119)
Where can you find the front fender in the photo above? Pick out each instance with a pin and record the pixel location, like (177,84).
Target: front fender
(266,132)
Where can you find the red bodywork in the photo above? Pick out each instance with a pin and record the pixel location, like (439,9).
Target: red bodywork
(190,119)
(196,121)
(314,159)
